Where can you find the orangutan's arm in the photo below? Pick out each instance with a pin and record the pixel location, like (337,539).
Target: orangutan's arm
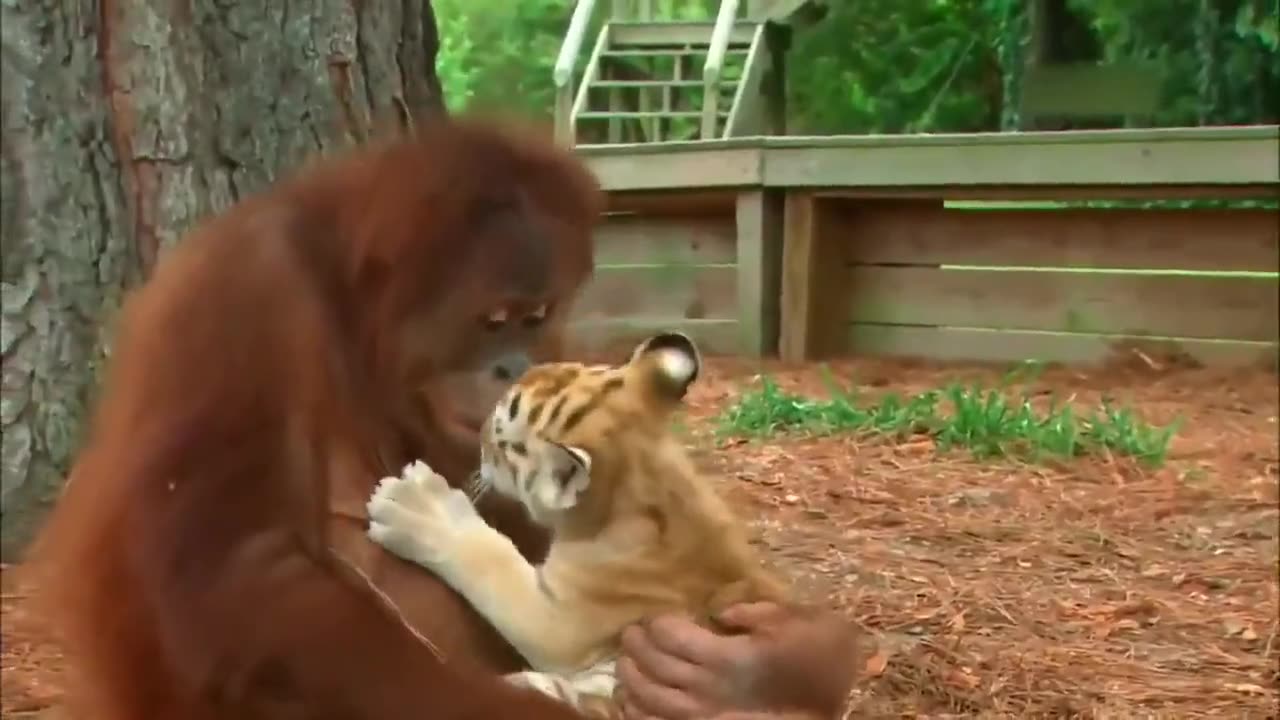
(283,633)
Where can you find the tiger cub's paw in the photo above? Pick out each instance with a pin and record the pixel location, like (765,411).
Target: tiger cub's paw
(591,692)
(417,516)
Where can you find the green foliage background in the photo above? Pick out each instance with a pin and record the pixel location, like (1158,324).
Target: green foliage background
(901,66)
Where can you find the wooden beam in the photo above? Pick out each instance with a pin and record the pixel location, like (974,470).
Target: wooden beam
(1159,158)
(760,241)
(746,114)
(708,168)
(901,233)
(669,202)
(1257,191)
(812,265)
(775,10)
(793,12)
(613,125)
(590,75)
(667,34)
(721,33)
(1194,306)
(1059,159)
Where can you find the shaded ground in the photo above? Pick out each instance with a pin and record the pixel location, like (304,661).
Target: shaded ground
(1090,588)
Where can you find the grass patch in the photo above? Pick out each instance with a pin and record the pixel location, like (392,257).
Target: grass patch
(989,422)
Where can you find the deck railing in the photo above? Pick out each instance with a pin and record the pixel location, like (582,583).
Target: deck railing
(568,103)
(715,63)
(563,74)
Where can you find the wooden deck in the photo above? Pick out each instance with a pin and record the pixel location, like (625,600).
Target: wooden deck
(814,247)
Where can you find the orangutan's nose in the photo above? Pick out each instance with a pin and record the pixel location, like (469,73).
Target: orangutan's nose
(510,366)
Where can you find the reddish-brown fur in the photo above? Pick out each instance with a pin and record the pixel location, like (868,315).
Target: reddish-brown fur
(256,394)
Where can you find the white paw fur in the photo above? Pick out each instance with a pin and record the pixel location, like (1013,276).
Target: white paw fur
(545,683)
(417,516)
(598,682)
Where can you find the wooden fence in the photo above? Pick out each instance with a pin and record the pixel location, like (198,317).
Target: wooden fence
(815,247)
(701,267)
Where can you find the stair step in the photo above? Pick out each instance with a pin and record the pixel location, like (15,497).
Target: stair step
(656,34)
(726,85)
(672,52)
(790,12)
(645,83)
(626,114)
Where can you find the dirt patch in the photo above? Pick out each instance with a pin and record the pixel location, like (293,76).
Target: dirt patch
(1092,588)
(31,678)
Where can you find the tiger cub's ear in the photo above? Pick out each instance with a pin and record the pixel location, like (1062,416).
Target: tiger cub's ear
(670,362)
(571,471)
(569,460)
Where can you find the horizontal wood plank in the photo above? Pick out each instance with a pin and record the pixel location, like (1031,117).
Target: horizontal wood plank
(1228,133)
(779,11)
(675,291)
(1160,157)
(651,239)
(1124,161)
(900,233)
(674,201)
(667,33)
(1257,191)
(1012,346)
(710,167)
(612,340)
(1238,308)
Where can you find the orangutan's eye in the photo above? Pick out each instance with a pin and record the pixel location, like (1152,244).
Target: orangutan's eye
(536,317)
(495,320)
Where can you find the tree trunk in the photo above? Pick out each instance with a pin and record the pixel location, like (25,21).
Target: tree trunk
(124,122)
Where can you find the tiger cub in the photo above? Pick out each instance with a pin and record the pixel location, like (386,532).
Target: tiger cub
(636,530)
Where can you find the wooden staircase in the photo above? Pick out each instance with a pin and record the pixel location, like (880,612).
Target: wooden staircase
(653,80)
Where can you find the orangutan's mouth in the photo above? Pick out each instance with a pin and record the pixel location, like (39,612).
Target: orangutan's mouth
(456,419)
(475,419)
(464,428)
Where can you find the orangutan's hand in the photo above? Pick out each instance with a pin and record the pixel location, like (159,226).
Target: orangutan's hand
(785,659)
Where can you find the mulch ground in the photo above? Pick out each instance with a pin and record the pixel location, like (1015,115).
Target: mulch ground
(1086,588)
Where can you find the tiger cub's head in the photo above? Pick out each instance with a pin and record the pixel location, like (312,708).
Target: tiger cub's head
(566,434)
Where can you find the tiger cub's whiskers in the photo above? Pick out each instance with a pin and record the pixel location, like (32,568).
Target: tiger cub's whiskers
(477,488)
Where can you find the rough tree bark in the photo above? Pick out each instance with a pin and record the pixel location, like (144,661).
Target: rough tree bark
(124,121)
